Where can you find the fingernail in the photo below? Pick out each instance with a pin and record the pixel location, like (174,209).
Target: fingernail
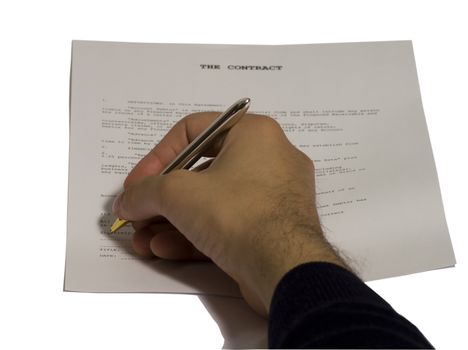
(116,204)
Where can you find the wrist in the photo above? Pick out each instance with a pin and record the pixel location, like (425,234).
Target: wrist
(281,254)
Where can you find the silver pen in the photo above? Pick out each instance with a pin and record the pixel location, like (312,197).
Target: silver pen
(192,153)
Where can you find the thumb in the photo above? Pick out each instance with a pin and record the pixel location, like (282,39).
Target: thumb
(155,195)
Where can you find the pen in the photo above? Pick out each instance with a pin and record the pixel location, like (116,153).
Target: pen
(192,153)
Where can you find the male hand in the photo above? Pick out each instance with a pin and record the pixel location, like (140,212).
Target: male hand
(251,210)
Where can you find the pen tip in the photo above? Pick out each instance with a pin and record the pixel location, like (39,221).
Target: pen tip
(118,224)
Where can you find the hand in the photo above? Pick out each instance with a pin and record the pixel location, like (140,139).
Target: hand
(251,210)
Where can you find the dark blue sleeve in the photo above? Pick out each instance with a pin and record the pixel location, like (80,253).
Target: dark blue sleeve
(321,305)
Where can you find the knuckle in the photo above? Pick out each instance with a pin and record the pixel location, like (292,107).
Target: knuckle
(305,162)
(310,165)
(267,122)
(263,124)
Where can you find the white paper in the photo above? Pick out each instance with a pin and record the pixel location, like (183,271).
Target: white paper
(354,108)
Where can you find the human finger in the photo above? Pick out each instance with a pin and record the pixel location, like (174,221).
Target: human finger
(141,242)
(172,245)
(138,225)
(164,241)
(156,195)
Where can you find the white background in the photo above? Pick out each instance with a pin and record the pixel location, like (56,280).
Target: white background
(35,45)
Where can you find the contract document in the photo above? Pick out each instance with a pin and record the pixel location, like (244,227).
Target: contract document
(355,109)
